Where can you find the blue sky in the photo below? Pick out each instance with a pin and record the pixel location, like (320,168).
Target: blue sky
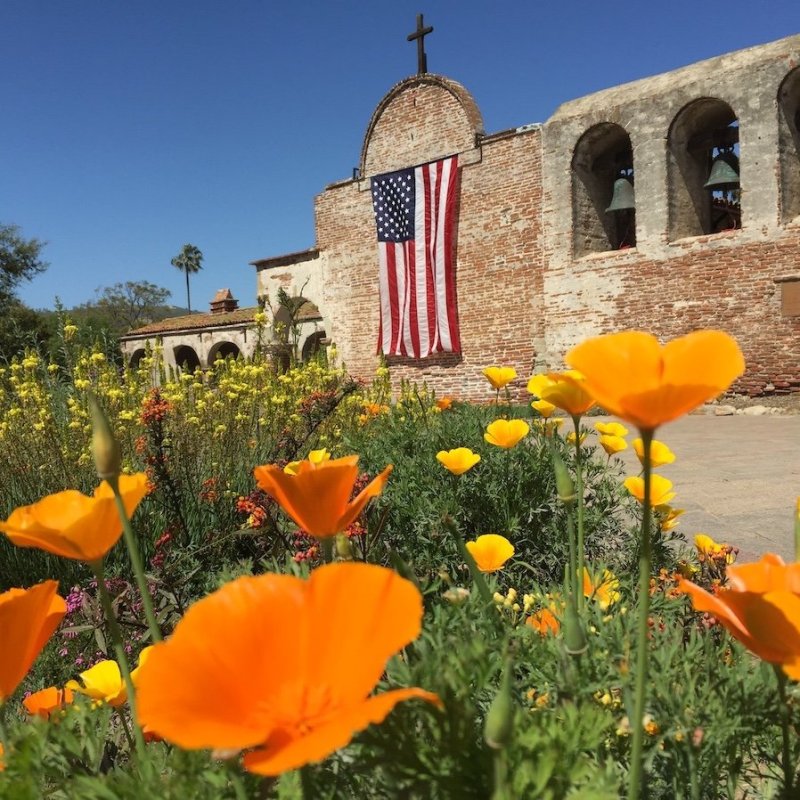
(130,128)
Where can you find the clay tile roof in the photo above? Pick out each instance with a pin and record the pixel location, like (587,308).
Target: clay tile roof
(222,294)
(195,321)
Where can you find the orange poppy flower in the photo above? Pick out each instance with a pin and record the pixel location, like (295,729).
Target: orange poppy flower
(660,454)
(633,377)
(44,702)
(660,489)
(506,433)
(543,622)
(760,607)
(102,682)
(28,618)
(317,498)
(459,460)
(291,668)
(612,444)
(73,525)
(490,551)
(499,376)
(444,403)
(568,391)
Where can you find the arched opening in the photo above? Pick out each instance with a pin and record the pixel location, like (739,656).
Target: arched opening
(703,170)
(312,345)
(223,350)
(789,145)
(136,358)
(603,208)
(186,358)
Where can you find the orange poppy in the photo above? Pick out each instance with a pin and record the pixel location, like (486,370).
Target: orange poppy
(543,622)
(634,377)
(44,702)
(506,433)
(568,391)
(317,498)
(73,525)
(103,682)
(291,668)
(490,551)
(28,618)
(499,376)
(760,607)
(660,489)
(459,460)
(612,444)
(444,403)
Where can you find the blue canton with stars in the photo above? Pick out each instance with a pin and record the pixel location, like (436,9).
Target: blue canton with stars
(393,203)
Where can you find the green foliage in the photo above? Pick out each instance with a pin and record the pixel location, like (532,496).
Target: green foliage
(511,492)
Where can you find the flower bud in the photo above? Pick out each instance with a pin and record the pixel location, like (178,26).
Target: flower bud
(499,723)
(564,485)
(105,448)
(574,638)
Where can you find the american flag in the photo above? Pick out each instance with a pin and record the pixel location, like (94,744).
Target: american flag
(414,215)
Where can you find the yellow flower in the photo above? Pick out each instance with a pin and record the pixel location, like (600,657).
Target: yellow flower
(669,516)
(660,489)
(535,385)
(315,457)
(707,547)
(491,551)
(506,433)
(660,454)
(604,590)
(611,429)
(102,682)
(458,461)
(571,437)
(612,444)
(568,392)
(500,376)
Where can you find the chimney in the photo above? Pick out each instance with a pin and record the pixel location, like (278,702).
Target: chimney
(223,302)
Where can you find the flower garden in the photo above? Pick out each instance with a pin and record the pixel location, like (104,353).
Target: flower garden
(252,584)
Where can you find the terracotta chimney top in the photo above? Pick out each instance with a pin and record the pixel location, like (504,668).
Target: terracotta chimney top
(223,302)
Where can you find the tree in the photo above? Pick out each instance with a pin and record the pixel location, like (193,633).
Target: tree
(19,261)
(189,260)
(128,305)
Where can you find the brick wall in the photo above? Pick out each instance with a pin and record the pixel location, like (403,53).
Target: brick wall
(524,295)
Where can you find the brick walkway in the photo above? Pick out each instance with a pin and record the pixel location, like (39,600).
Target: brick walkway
(738,478)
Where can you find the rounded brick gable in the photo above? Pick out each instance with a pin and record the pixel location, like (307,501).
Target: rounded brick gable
(420,119)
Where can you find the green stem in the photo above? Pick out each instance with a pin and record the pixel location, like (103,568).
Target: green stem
(119,649)
(635,775)
(508,491)
(3,733)
(136,562)
(125,729)
(581,557)
(501,791)
(326,548)
(786,750)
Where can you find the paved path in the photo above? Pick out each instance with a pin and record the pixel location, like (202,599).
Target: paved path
(738,478)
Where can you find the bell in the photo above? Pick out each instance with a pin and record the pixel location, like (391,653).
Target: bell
(623,198)
(724,174)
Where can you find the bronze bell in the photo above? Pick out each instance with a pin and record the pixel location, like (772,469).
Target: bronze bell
(623,198)
(724,174)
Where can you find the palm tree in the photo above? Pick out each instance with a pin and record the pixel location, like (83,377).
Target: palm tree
(189,260)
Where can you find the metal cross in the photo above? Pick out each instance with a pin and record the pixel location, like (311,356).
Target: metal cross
(420,34)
